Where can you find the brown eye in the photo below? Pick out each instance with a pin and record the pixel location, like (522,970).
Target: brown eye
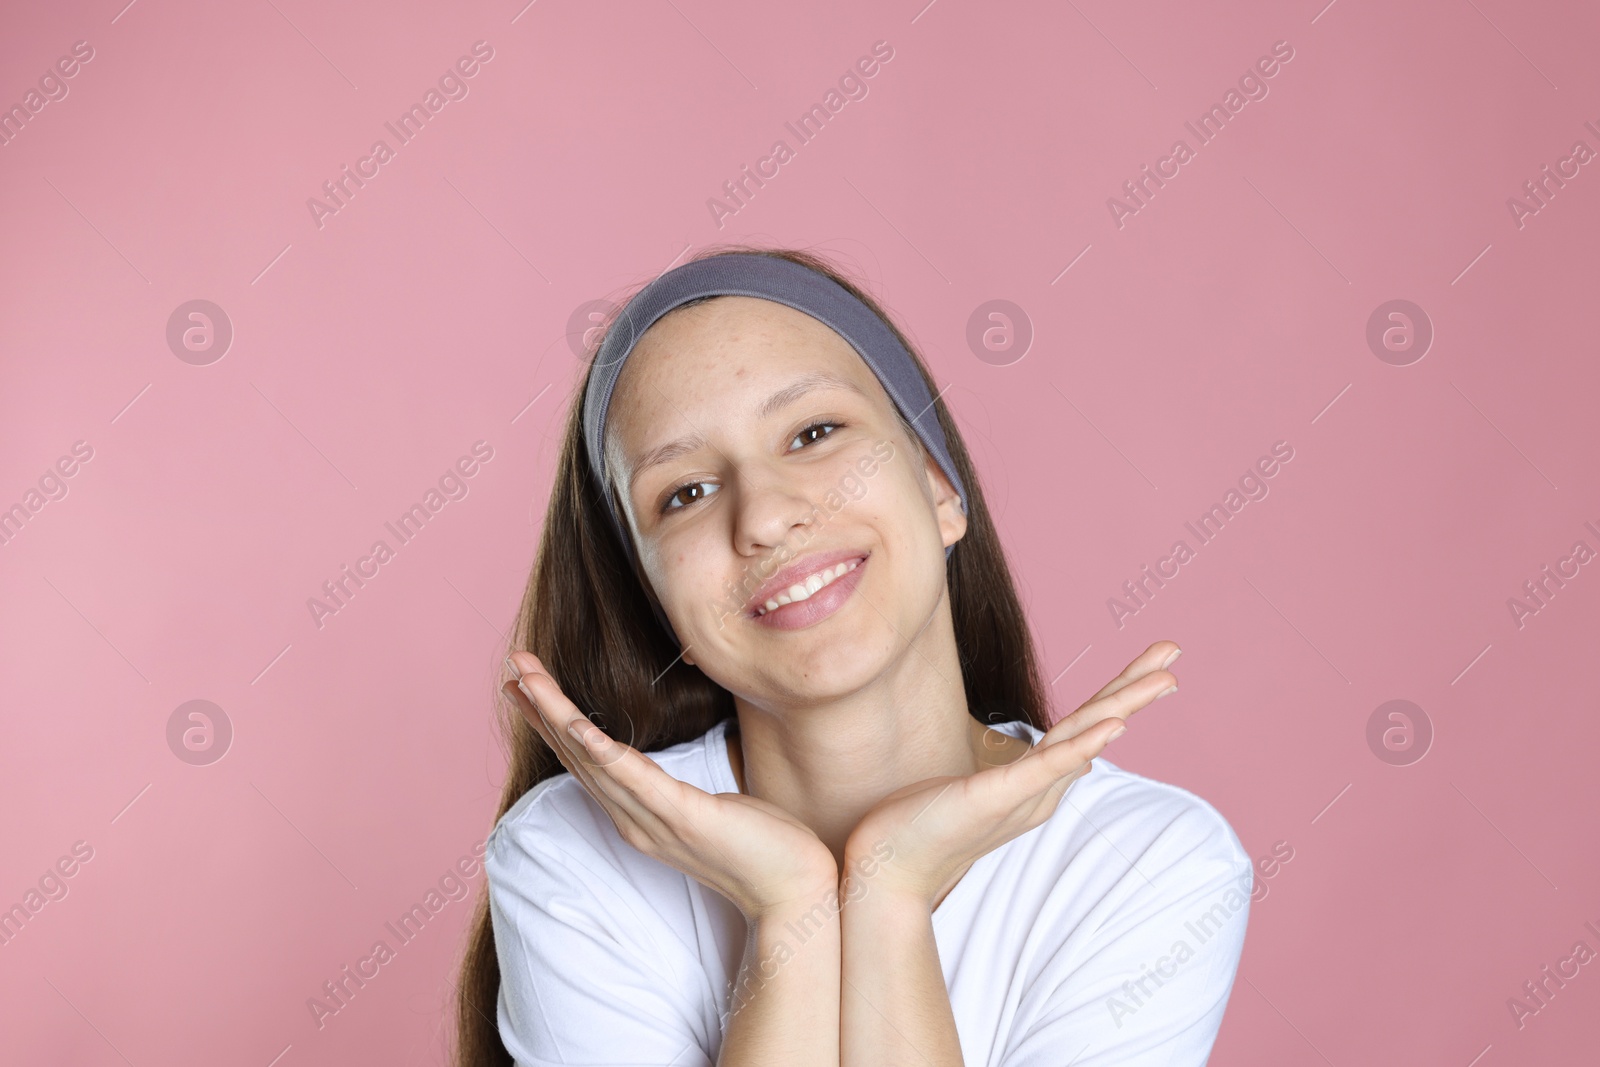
(687,494)
(814,433)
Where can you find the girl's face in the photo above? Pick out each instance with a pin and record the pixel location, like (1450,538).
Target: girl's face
(752,449)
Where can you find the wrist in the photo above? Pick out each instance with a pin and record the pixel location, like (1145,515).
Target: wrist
(885,916)
(870,878)
(816,904)
(865,859)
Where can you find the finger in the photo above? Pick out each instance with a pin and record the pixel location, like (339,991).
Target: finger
(582,763)
(655,801)
(610,769)
(1037,782)
(1051,798)
(1122,704)
(565,751)
(534,718)
(636,822)
(519,695)
(1046,765)
(559,713)
(1159,656)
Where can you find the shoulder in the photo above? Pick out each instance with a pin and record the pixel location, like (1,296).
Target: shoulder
(1155,861)
(1128,867)
(1133,898)
(1176,844)
(1136,846)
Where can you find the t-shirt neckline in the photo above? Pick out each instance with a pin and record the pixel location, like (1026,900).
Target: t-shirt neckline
(722,770)
(722,773)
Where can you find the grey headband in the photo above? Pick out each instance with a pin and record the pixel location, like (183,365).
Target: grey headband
(782,281)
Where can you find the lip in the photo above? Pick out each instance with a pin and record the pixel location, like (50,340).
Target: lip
(817,606)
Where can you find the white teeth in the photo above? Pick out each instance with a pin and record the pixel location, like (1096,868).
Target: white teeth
(809,588)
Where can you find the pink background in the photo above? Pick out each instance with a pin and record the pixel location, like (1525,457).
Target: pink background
(368,354)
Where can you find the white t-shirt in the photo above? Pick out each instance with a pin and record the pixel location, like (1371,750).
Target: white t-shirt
(1107,935)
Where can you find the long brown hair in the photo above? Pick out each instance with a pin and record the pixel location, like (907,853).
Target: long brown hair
(587,616)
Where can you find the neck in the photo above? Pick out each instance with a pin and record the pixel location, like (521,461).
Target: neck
(828,764)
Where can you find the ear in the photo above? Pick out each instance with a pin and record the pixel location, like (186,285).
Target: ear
(946,501)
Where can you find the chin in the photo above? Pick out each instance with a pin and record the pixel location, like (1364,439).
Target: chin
(833,665)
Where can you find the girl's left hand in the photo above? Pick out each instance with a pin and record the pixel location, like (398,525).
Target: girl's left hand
(938,827)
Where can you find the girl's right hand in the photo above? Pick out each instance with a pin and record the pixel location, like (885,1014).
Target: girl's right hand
(754,853)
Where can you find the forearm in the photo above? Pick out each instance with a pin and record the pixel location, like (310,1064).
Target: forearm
(785,1004)
(896,1009)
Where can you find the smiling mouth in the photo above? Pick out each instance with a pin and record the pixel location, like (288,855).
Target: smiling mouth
(810,587)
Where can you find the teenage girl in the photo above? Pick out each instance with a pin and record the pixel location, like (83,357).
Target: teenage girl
(784,784)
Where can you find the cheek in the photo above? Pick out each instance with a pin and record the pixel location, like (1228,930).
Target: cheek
(901,512)
(896,502)
(686,571)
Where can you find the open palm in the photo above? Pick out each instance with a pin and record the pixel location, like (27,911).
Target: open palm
(751,851)
(938,827)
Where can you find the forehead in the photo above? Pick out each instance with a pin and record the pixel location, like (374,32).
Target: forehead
(722,357)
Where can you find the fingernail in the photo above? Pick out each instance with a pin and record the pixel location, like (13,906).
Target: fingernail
(1172,659)
(1164,692)
(577,730)
(1118,732)
(512,667)
(527,693)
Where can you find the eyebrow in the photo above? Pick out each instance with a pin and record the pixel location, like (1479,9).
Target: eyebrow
(692,442)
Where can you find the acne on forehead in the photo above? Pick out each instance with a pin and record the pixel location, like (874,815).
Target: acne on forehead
(669,351)
(637,393)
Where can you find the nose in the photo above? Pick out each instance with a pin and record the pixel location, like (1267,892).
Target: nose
(768,507)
